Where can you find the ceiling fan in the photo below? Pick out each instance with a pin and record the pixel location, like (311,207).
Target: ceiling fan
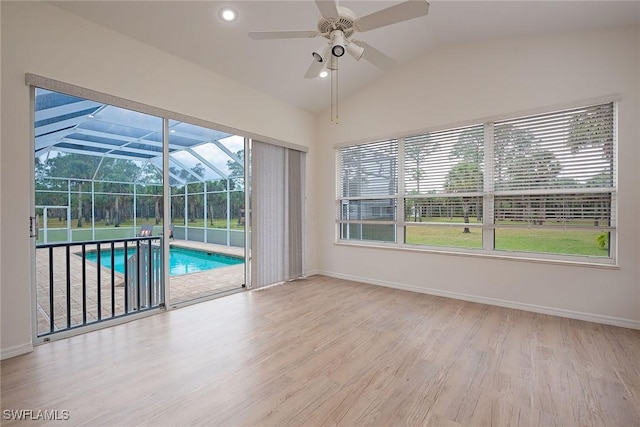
(338,26)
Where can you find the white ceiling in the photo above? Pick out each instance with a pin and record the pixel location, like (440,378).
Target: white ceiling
(193,31)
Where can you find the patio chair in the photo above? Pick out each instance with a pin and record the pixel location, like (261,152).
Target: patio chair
(146,230)
(171,231)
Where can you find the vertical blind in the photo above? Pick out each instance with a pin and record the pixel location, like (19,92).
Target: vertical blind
(277,213)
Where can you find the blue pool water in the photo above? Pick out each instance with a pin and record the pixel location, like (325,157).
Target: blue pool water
(181,260)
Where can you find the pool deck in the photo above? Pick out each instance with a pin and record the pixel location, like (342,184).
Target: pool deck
(205,283)
(182,288)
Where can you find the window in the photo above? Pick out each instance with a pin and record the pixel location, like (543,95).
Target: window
(443,174)
(541,185)
(367,204)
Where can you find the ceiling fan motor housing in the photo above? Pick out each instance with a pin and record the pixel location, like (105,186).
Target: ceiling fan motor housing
(344,23)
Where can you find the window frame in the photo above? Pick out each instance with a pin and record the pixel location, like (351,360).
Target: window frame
(488,195)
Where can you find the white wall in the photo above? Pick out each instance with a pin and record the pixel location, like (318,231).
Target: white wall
(0,174)
(447,86)
(474,81)
(42,39)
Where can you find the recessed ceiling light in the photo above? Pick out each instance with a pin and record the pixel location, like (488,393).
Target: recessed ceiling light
(323,74)
(172,131)
(228,14)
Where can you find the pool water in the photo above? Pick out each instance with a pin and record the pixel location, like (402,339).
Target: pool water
(181,260)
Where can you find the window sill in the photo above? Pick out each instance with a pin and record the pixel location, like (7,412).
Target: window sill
(479,254)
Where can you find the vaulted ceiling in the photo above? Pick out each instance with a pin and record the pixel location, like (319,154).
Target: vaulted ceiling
(192,30)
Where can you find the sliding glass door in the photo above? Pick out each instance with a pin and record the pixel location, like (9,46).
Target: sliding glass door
(106,181)
(207,211)
(97,220)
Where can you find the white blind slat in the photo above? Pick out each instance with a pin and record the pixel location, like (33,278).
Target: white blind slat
(369,169)
(566,149)
(548,170)
(445,162)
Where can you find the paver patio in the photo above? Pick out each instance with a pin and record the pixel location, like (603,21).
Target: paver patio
(112,301)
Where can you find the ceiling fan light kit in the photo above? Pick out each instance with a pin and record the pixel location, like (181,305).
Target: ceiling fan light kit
(338,25)
(355,51)
(337,43)
(320,55)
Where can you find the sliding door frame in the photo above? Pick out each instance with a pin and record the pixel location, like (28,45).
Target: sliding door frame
(36,81)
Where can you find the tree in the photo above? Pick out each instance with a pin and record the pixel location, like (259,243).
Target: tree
(417,150)
(522,163)
(465,177)
(512,146)
(195,190)
(469,147)
(115,172)
(590,131)
(151,180)
(236,170)
(73,166)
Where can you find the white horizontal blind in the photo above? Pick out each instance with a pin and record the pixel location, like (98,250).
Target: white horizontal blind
(444,162)
(566,149)
(369,169)
(368,210)
(578,210)
(543,184)
(367,191)
(556,168)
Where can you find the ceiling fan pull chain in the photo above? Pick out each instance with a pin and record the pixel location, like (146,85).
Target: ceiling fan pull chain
(337,87)
(331,70)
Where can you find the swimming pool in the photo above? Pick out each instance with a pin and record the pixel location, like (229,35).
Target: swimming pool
(181,260)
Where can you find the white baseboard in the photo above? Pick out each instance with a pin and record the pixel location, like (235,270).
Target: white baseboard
(570,314)
(16,350)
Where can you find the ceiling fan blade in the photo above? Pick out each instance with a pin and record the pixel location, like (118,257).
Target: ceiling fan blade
(376,57)
(266,35)
(328,8)
(314,69)
(401,12)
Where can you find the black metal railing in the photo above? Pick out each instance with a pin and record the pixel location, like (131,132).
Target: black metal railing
(83,283)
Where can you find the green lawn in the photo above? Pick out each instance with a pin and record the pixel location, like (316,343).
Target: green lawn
(444,236)
(561,241)
(571,242)
(217,223)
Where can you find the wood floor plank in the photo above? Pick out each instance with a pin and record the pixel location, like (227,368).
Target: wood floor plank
(324,352)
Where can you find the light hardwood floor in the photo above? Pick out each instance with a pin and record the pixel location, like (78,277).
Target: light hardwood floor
(324,351)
